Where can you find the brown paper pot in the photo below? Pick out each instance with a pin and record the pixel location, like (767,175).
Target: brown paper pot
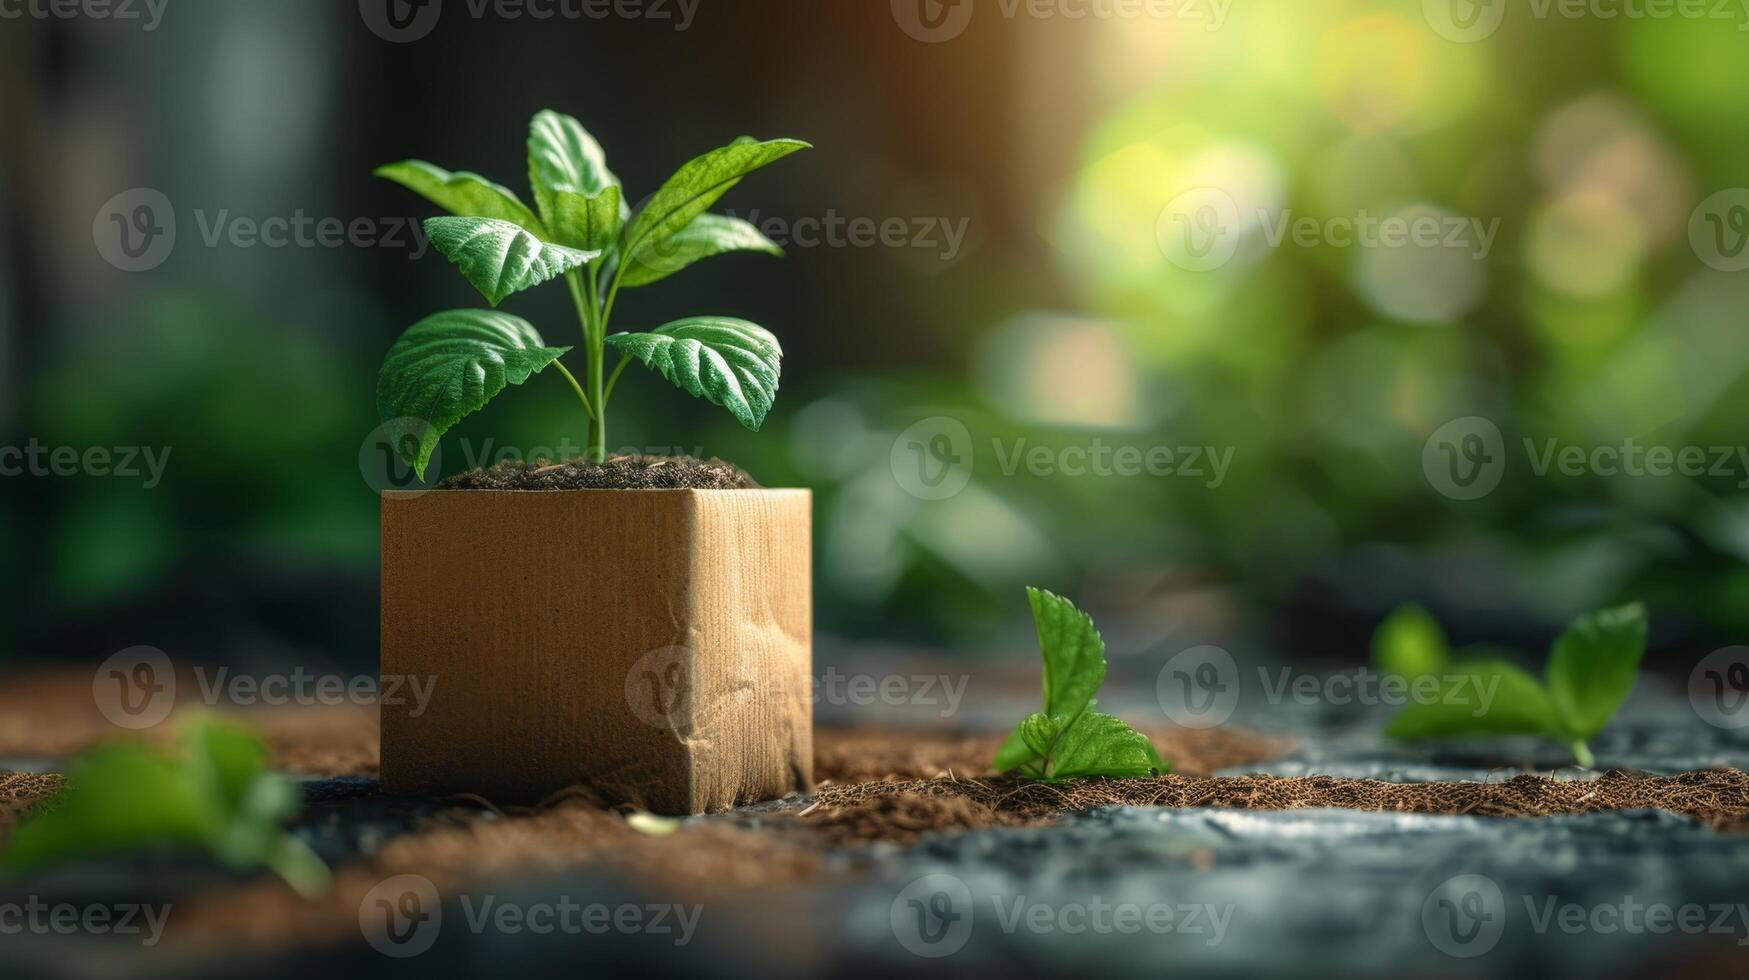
(655,645)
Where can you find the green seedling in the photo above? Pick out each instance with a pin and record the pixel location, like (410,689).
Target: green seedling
(215,793)
(1590,672)
(1068,739)
(581,229)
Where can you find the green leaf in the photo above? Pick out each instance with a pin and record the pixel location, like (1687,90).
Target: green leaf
(1040,732)
(588,222)
(580,200)
(465,194)
(1014,752)
(1593,666)
(1074,654)
(120,797)
(216,793)
(1409,643)
(450,365)
(725,361)
(1101,745)
(708,235)
(695,187)
(501,258)
(1490,697)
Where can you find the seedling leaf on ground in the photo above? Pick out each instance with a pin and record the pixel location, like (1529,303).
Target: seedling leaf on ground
(1590,672)
(1068,740)
(215,793)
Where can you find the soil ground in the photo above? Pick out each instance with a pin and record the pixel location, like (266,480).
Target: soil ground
(878,789)
(617,473)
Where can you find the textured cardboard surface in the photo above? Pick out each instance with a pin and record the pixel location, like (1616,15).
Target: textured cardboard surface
(655,645)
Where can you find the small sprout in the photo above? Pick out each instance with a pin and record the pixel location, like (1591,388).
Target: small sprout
(1069,740)
(1590,672)
(581,229)
(216,793)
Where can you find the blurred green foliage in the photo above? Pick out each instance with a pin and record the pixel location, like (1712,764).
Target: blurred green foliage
(1584,148)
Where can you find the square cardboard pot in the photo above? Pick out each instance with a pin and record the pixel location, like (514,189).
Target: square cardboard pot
(656,645)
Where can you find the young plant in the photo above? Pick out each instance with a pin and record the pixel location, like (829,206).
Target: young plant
(583,229)
(216,793)
(1068,739)
(1590,672)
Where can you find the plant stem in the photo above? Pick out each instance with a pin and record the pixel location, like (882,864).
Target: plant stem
(593,333)
(575,386)
(597,393)
(300,867)
(618,369)
(1582,755)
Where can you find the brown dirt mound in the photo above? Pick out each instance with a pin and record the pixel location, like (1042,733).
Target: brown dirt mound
(617,473)
(902,810)
(19,791)
(695,862)
(859,755)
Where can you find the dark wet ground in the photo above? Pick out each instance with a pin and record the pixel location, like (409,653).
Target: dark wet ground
(1118,893)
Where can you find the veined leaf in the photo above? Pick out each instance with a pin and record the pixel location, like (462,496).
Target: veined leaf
(448,366)
(1101,745)
(591,223)
(695,187)
(501,258)
(464,194)
(1490,697)
(1593,666)
(1074,654)
(708,235)
(725,361)
(568,171)
(1040,732)
(1067,740)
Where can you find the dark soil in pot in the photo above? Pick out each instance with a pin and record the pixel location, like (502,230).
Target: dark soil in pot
(617,473)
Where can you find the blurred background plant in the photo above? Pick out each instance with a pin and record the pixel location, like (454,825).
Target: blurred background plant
(1063,319)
